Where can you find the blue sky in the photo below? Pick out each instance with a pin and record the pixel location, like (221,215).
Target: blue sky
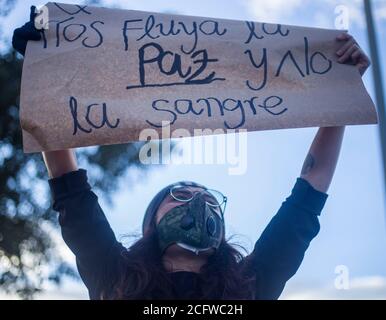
(353,220)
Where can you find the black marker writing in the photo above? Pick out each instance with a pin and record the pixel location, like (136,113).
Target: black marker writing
(191,75)
(126,28)
(288,56)
(206,107)
(71,32)
(252,32)
(315,63)
(309,61)
(97,44)
(155,106)
(153,30)
(263,63)
(271,103)
(277,29)
(101,110)
(80,9)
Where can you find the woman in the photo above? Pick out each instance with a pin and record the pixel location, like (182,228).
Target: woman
(183,253)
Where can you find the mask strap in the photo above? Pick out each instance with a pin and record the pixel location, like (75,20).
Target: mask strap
(191,248)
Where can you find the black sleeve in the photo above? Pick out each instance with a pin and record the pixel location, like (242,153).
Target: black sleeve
(279,251)
(84,227)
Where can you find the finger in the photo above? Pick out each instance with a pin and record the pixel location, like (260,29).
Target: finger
(362,67)
(347,54)
(355,56)
(364,61)
(32,14)
(343,36)
(346,46)
(361,55)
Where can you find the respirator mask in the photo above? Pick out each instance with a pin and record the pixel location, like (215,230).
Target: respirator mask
(196,225)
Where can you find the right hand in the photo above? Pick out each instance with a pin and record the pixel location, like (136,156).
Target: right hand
(27,32)
(351,52)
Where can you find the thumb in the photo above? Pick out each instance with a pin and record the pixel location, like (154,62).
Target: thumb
(32,14)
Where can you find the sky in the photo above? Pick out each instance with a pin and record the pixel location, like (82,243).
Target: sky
(352,236)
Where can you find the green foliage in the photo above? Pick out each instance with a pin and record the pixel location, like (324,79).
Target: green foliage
(28,256)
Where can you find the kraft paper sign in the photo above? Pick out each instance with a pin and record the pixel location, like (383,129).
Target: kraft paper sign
(101,76)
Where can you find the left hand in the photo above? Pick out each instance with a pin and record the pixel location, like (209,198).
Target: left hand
(25,33)
(351,52)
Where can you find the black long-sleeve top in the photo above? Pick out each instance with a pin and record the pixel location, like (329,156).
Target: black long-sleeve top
(277,254)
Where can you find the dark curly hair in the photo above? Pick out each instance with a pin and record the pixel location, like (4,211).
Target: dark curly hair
(140,273)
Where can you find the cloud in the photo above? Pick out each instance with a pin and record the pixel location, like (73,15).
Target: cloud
(373,282)
(380,12)
(273,10)
(366,287)
(319,13)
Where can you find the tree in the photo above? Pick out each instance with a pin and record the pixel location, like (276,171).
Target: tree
(28,255)
(27,252)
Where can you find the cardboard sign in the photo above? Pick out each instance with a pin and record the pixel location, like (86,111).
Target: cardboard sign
(101,76)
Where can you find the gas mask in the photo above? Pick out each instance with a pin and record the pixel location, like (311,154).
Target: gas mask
(194,226)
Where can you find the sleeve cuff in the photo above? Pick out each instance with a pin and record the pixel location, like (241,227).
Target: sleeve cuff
(304,195)
(69,183)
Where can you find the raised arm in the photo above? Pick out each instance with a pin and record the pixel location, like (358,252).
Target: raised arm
(319,165)
(60,162)
(279,251)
